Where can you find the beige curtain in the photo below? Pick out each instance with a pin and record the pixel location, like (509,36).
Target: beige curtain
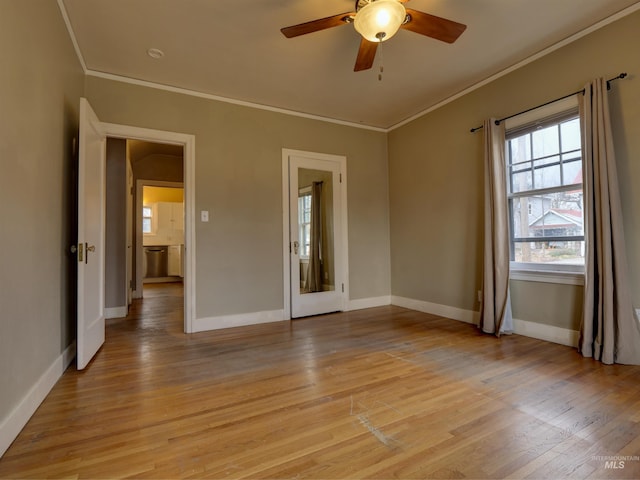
(495,316)
(314,271)
(609,331)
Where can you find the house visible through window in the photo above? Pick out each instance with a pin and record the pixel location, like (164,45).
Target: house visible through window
(544,184)
(147,219)
(304,221)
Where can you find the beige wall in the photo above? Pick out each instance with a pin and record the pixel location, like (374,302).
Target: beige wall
(41,82)
(115,271)
(436,177)
(239,181)
(162,194)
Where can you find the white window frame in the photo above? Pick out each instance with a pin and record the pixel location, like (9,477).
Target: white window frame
(540,272)
(304,192)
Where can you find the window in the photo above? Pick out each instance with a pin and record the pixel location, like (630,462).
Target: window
(147,219)
(304,221)
(544,186)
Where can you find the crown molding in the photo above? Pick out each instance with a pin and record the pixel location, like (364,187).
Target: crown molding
(218,98)
(72,35)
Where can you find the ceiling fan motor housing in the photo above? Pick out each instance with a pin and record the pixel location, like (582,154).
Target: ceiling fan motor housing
(379,20)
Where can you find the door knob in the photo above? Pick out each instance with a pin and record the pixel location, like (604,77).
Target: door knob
(295,247)
(88,248)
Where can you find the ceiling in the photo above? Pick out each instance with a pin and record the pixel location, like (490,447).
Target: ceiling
(234,49)
(139,149)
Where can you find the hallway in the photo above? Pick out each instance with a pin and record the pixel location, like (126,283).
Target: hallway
(161,308)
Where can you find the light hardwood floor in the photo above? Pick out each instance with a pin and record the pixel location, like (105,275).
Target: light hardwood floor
(377,393)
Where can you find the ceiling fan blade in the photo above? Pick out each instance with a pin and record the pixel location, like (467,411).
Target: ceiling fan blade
(366,55)
(316,25)
(434,27)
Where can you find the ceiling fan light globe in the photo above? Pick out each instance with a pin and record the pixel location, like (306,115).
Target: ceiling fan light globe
(379,20)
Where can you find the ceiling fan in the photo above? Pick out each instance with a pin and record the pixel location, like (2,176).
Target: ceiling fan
(379,20)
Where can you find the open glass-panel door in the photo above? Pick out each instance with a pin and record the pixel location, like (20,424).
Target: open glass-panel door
(91,235)
(315,212)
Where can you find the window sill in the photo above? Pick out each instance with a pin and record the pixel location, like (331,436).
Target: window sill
(567,278)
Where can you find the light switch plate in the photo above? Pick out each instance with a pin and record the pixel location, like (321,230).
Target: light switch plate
(204,216)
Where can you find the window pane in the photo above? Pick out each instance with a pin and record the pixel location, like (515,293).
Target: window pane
(570,132)
(522,181)
(545,142)
(548,176)
(556,214)
(520,148)
(146,211)
(146,225)
(572,172)
(560,253)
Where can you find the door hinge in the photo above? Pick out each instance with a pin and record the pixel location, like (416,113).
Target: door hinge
(340,178)
(343,288)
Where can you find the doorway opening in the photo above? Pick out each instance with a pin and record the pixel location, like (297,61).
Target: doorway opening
(146,226)
(160,219)
(154,225)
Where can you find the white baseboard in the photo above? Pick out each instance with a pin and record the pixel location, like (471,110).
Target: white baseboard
(237,320)
(116,312)
(360,303)
(467,316)
(526,328)
(563,336)
(20,415)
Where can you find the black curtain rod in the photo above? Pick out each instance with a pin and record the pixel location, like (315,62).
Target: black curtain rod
(498,122)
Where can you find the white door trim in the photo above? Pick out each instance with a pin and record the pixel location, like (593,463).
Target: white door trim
(286,241)
(189,161)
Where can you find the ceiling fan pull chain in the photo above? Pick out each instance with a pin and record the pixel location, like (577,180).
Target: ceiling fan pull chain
(381,63)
